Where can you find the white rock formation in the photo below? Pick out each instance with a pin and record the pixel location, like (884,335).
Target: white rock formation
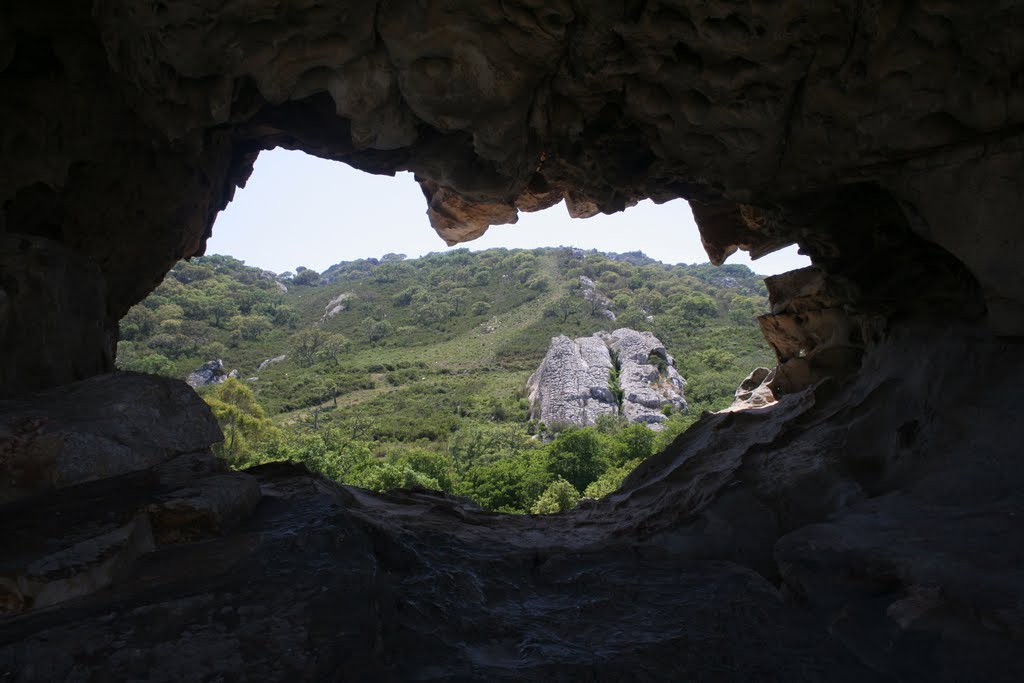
(579,380)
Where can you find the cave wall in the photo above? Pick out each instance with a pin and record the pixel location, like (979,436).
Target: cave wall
(866,526)
(127,126)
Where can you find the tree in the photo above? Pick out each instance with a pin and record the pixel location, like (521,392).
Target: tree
(306,276)
(558,497)
(306,343)
(139,322)
(332,348)
(611,479)
(433,311)
(634,442)
(220,307)
(697,306)
(250,326)
(563,307)
(375,330)
(510,484)
(241,419)
(153,364)
(456,297)
(577,455)
(408,295)
(480,308)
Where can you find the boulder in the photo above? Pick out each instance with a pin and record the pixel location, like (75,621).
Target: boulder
(271,361)
(336,306)
(571,387)
(626,373)
(101,427)
(210,372)
(648,378)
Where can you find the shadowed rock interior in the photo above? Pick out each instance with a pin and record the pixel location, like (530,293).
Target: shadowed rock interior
(867,525)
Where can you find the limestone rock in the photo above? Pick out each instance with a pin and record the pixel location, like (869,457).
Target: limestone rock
(573,385)
(82,567)
(648,377)
(210,372)
(335,306)
(755,391)
(845,554)
(883,138)
(271,361)
(203,508)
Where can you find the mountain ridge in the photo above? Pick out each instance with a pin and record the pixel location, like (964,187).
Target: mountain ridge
(409,361)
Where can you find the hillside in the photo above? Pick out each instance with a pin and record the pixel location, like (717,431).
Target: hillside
(420,364)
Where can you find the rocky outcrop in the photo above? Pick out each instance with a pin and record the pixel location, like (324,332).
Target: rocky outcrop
(885,552)
(755,391)
(210,372)
(648,380)
(571,386)
(53,317)
(626,373)
(270,361)
(762,116)
(600,305)
(336,306)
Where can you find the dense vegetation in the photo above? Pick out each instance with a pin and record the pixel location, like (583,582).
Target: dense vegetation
(410,372)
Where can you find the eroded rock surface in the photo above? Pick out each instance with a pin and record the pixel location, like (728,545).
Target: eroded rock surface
(885,552)
(210,372)
(626,373)
(571,386)
(97,428)
(100,473)
(506,107)
(648,378)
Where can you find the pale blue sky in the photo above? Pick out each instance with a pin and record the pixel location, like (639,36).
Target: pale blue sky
(298,210)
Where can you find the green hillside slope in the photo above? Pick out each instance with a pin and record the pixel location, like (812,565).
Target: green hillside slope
(411,371)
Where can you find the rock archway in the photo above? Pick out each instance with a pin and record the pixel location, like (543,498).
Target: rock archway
(865,526)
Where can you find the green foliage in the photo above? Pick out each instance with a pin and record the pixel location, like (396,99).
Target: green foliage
(559,496)
(306,343)
(306,277)
(578,455)
(242,420)
(611,479)
(418,382)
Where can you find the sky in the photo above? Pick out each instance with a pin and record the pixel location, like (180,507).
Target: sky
(298,210)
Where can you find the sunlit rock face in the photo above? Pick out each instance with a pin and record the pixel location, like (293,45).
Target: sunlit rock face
(865,526)
(625,373)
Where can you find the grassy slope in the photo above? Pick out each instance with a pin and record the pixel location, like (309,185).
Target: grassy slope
(423,379)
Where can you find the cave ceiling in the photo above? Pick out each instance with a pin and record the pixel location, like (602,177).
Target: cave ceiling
(127,126)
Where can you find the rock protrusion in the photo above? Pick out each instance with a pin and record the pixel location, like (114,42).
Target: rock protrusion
(755,391)
(210,372)
(337,305)
(625,373)
(271,361)
(97,474)
(648,378)
(571,387)
(98,428)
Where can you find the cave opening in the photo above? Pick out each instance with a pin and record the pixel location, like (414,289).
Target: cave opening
(439,367)
(866,527)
